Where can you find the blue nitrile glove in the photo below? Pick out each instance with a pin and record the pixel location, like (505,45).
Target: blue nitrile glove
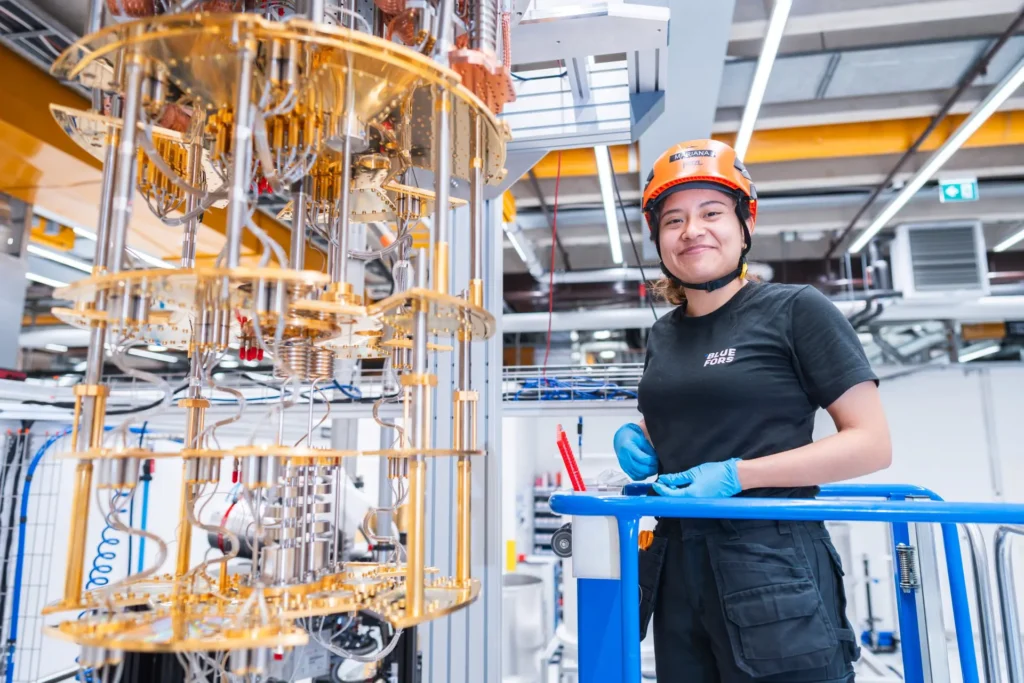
(635,453)
(710,480)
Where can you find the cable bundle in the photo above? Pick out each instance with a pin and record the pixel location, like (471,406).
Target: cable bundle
(571,389)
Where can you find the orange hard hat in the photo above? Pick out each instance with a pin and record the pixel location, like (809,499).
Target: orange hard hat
(700,163)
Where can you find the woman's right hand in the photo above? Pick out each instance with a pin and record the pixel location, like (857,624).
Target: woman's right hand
(635,453)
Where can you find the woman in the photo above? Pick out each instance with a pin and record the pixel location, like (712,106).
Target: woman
(732,381)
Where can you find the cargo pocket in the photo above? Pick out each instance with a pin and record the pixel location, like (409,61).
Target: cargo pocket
(844,631)
(774,612)
(651,561)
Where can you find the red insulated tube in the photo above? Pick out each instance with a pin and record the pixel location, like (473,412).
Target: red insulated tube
(575,478)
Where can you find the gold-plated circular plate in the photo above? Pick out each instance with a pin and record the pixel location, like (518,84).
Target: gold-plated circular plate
(201,53)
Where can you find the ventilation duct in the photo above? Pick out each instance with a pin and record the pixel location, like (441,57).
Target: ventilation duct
(937,260)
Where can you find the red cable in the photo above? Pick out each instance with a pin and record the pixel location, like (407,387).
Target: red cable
(224,523)
(551,270)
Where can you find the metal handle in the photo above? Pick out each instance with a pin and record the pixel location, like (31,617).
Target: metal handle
(983,589)
(1008,601)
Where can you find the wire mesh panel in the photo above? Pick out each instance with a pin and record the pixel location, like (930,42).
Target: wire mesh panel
(30,484)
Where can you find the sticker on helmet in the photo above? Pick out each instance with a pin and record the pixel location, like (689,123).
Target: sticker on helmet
(690,153)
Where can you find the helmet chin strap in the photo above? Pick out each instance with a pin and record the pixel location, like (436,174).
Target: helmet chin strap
(717,283)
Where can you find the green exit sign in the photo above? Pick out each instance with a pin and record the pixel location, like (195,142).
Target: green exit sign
(958,190)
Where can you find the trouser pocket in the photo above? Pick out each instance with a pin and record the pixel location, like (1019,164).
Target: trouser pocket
(847,636)
(651,561)
(774,612)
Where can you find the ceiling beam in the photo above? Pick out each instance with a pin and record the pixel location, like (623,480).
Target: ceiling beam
(834,16)
(697,46)
(840,110)
(42,166)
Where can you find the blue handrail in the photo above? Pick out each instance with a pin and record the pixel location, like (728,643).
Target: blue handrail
(894,508)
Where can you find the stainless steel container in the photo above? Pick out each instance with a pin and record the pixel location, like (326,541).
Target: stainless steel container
(522,628)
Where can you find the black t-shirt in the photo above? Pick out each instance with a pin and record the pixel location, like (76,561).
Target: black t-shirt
(746,380)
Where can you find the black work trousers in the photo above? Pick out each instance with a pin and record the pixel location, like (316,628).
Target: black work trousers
(751,600)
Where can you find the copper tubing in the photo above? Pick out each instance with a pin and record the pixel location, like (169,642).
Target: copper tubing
(506,39)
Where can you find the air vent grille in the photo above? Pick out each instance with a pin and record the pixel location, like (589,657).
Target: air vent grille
(944,258)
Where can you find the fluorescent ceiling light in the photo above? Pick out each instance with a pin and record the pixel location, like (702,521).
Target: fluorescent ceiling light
(601,335)
(979,353)
(996,97)
(524,248)
(45,280)
(514,239)
(607,355)
(770,48)
(604,176)
(58,257)
(1011,240)
(163,357)
(56,348)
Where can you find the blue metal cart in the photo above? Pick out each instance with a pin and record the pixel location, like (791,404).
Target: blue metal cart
(609,610)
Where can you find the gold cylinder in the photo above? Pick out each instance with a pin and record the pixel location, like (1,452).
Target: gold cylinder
(74,423)
(184,526)
(79,530)
(193,427)
(75,566)
(476,293)
(457,426)
(441,267)
(463,521)
(417,528)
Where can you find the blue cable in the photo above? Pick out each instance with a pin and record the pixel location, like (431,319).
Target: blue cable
(142,523)
(19,570)
(349,391)
(145,511)
(574,388)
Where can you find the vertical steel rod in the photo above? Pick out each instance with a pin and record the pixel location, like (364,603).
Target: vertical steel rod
(195,175)
(316,11)
(124,177)
(442,186)
(420,442)
(339,269)
(241,150)
(297,250)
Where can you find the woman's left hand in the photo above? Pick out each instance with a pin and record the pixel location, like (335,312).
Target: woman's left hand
(710,480)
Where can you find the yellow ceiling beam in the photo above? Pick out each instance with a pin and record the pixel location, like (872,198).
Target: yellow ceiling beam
(869,138)
(41,165)
(872,138)
(581,162)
